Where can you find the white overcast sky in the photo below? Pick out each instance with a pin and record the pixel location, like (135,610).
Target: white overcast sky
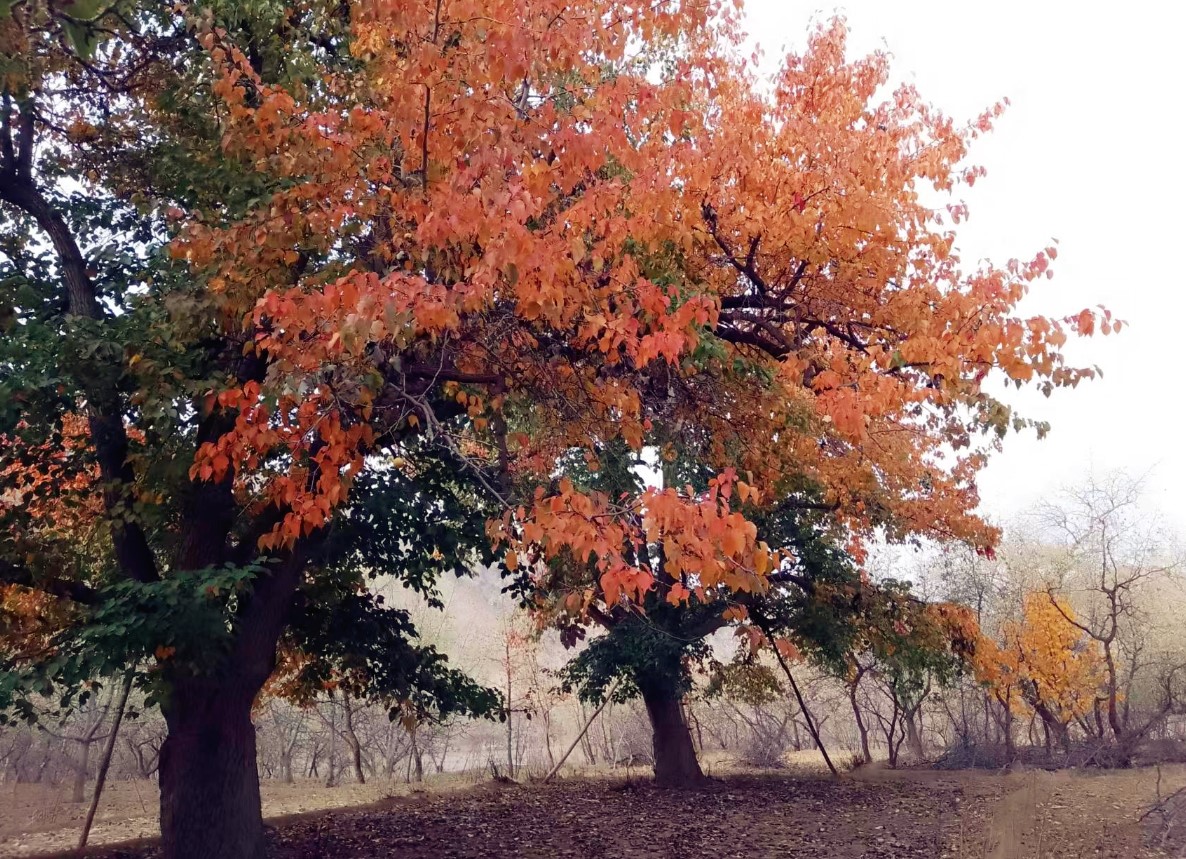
(1090,153)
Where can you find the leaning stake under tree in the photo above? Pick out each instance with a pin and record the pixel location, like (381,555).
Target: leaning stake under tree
(423,252)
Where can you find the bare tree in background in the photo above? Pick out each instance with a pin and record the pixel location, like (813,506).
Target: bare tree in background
(83,729)
(1121,556)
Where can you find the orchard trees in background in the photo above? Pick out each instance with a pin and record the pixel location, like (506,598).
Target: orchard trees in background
(1119,559)
(1079,616)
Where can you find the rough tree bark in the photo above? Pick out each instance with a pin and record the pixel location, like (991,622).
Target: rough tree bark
(675,756)
(210,803)
(209,779)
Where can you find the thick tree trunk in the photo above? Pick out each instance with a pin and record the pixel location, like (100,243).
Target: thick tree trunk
(210,803)
(675,756)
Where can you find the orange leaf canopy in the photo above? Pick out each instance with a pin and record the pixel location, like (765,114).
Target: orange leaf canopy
(524,227)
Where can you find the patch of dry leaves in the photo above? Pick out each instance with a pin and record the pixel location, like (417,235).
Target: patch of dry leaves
(737,817)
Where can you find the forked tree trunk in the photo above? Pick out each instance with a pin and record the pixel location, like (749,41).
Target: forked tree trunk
(675,756)
(210,802)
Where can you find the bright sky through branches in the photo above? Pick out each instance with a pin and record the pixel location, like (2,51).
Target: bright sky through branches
(1088,153)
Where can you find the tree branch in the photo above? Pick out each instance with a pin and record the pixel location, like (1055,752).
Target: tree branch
(83,594)
(103,406)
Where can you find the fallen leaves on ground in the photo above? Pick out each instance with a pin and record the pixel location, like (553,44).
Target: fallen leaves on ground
(738,817)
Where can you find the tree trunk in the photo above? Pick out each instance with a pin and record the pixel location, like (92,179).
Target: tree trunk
(105,762)
(861,729)
(510,713)
(210,803)
(331,766)
(547,719)
(914,737)
(78,793)
(1113,691)
(1007,730)
(417,760)
(510,744)
(891,733)
(586,744)
(675,756)
(352,740)
(582,736)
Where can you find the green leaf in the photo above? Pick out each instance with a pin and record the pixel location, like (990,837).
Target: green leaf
(82,37)
(87,10)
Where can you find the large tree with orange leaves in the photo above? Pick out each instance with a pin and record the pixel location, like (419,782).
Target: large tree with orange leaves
(492,234)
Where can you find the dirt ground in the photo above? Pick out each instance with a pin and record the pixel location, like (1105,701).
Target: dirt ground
(36,819)
(872,814)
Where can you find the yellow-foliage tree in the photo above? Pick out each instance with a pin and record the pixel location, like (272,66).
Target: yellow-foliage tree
(1042,665)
